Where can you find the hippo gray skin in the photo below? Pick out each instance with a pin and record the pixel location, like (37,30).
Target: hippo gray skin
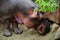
(20,11)
(9,10)
(39,23)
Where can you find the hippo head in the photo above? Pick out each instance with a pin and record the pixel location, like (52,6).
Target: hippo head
(27,11)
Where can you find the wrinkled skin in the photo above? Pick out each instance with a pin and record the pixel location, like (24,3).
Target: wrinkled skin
(7,30)
(18,11)
(29,20)
(9,10)
(40,24)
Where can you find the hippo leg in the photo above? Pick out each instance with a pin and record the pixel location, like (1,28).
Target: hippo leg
(16,28)
(7,32)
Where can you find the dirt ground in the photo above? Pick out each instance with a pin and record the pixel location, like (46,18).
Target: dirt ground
(28,34)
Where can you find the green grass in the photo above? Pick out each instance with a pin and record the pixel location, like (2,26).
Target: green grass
(28,34)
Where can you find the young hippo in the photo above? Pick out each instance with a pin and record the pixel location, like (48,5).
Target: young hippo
(8,10)
(40,24)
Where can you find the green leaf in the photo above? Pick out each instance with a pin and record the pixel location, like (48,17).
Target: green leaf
(46,5)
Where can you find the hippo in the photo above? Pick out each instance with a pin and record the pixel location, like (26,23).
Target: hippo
(9,10)
(38,22)
(20,11)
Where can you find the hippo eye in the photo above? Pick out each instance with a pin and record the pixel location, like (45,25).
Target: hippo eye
(32,7)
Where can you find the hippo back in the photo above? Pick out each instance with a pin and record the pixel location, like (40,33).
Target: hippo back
(8,6)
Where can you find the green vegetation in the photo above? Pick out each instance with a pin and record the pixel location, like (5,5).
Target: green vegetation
(46,5)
